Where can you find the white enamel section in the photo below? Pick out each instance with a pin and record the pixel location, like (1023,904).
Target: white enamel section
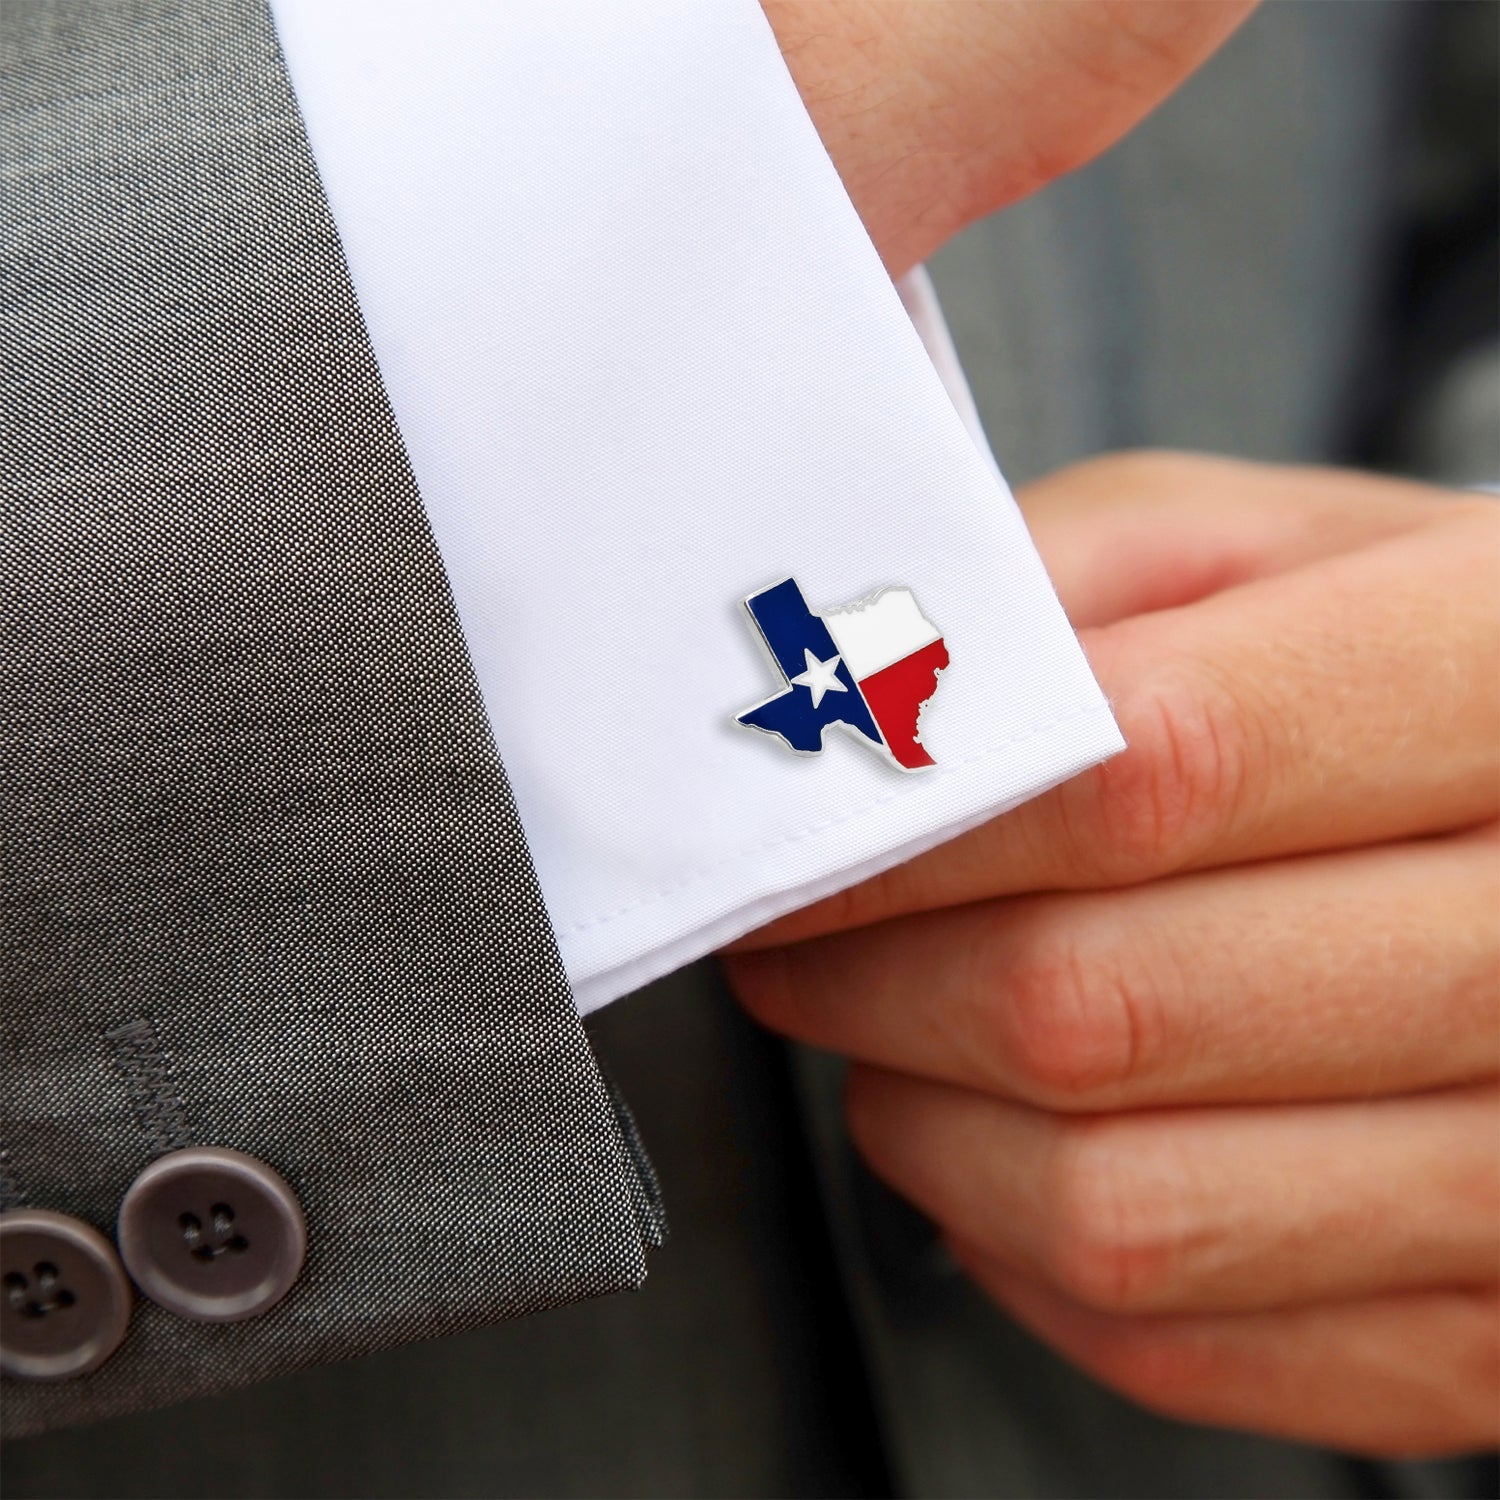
(875,632)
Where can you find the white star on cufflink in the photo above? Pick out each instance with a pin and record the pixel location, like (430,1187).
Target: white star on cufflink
(820,677)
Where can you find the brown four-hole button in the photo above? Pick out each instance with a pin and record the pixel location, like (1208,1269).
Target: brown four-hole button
(211,1234)
(66,1300)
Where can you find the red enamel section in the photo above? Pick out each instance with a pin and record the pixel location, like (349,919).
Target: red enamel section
(896,694)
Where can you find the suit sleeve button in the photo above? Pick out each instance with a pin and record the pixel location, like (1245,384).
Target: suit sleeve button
(66,1300)
(212,1235)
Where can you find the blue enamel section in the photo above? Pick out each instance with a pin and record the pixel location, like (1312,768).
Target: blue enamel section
(791,630)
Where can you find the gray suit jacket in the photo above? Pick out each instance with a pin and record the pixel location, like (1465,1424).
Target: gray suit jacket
(263,883)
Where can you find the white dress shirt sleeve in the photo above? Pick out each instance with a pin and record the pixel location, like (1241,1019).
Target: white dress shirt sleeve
(646,361)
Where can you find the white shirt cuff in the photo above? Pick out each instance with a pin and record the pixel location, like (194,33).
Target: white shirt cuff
(646,361)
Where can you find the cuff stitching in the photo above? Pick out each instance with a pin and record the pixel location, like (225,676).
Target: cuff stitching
(798,834)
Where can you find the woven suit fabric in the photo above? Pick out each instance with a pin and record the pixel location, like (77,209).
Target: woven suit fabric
(262,882)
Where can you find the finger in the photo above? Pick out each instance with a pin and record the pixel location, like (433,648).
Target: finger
(1350,703)
(1344,975)
(1200,1210)
(1133,533)
(938,114)
(1403,1376)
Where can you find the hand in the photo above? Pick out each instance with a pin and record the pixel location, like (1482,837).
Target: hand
(1194,1059)
(937,112)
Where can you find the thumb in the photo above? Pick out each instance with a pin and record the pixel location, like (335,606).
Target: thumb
(937,112)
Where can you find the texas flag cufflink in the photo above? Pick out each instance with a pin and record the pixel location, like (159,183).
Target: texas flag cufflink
(871,666)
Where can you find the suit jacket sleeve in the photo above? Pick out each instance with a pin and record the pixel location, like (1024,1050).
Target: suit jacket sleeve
(263,882)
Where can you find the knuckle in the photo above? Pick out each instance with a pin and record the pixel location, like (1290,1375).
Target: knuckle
(1184,781)
(1073,1025)
(1108,1247)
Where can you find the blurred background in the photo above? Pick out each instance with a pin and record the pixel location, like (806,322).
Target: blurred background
(1296,258)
